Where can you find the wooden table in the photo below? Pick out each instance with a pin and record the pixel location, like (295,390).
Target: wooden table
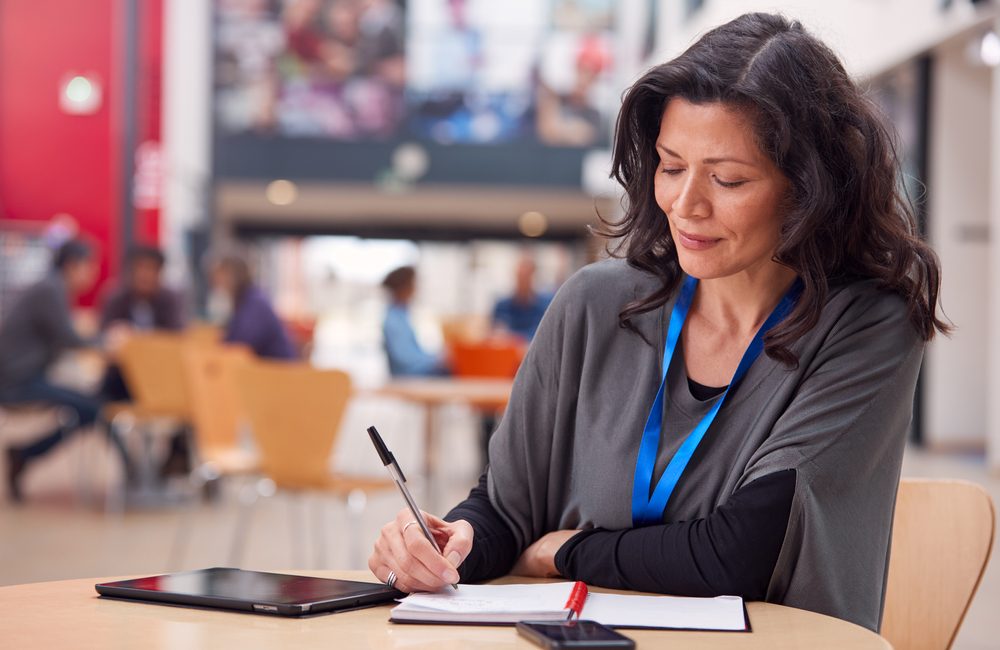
(69,614)
(485,395)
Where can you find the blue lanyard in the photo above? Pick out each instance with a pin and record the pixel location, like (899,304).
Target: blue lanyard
(646,509)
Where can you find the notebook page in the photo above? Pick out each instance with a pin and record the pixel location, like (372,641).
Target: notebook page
(484,599)
(721,613)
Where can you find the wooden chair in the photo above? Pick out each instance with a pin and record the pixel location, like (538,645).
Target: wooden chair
(153,368)
(941,541)
(202,332)
(217,419)
(295,413)
(217,415)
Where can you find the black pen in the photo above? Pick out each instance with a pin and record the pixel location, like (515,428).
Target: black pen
(397,475)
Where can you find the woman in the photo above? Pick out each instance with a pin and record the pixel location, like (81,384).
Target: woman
(402,349)
(246,310)
(773,274)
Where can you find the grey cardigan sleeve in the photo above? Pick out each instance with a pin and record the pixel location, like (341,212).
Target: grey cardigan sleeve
(523,443)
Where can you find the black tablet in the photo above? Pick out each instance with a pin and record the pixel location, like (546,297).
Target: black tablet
(251,591)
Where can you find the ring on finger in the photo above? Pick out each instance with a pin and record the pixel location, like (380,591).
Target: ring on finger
(390,580)
(411,523)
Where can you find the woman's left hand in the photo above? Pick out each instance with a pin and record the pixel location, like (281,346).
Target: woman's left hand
(539,559)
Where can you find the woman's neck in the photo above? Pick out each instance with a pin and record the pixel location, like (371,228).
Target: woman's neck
(740,303)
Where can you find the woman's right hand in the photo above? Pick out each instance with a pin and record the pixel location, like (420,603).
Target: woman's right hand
(402,548)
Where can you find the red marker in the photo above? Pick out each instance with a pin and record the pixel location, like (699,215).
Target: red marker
(577,598)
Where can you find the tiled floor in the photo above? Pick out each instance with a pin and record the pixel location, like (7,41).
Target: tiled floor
(57,536)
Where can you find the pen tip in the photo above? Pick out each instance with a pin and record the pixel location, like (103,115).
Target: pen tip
(454,586)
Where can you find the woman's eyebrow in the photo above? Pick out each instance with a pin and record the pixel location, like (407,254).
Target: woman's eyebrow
(707,161)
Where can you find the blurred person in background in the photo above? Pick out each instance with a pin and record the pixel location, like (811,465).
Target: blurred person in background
(406,356)
(521,313)
(36,331)
(245,309)
(141,302)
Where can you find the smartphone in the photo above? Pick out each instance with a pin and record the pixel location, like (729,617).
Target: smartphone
(573,634)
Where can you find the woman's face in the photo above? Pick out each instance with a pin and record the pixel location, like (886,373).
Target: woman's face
(222,279)
(720,192)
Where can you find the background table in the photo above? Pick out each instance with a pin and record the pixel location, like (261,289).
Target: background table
(69,614)
(487,396)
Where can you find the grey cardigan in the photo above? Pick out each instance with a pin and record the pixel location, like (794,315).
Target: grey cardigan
(564,454)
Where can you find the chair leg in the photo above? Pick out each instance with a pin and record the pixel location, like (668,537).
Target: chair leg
(357,501)
(319,523)
(296,530)
(249,495)
(123,425)
(198,478)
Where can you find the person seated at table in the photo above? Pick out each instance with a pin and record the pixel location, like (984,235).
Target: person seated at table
(245,309)
(36,330)
(407,358)
(521,313)
(724,410)
(141,302)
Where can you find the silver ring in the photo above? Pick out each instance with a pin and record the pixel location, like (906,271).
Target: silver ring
(408,525)
(391,580)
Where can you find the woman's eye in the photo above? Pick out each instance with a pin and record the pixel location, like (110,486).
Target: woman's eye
(669,171)
(729,184)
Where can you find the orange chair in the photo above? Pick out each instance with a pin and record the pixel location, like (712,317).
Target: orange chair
(295,413)
(301,330)
(491,358)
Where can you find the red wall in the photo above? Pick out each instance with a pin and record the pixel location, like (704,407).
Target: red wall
(52,162)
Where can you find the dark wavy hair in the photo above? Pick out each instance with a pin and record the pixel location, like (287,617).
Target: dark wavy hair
(847,217)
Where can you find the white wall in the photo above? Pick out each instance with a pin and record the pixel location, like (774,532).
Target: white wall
(955,370)
(870,36)
(187,65)
(993,342)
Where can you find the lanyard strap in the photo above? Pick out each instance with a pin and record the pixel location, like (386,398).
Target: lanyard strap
(648,509)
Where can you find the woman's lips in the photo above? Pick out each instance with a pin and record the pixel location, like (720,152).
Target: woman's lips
(696,242)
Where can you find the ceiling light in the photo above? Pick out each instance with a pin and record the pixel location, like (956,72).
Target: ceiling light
(281,192)
(532,224)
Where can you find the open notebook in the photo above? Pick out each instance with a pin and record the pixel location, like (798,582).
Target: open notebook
(507,604)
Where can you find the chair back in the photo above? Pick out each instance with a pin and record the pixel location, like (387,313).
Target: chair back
(202,332)
(153,367)
(217,413)
(464,328)
(941,541)
(487,359)
(295,412)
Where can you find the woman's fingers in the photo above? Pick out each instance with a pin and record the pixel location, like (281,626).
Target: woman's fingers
(417,564)
(429,557)
(459,543)
(407,566)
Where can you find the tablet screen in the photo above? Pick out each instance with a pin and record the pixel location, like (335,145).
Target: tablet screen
(251,586)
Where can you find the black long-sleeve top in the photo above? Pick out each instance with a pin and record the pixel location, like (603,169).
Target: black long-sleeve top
(732,551)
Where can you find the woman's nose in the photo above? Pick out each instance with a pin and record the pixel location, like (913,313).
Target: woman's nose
(691,202)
